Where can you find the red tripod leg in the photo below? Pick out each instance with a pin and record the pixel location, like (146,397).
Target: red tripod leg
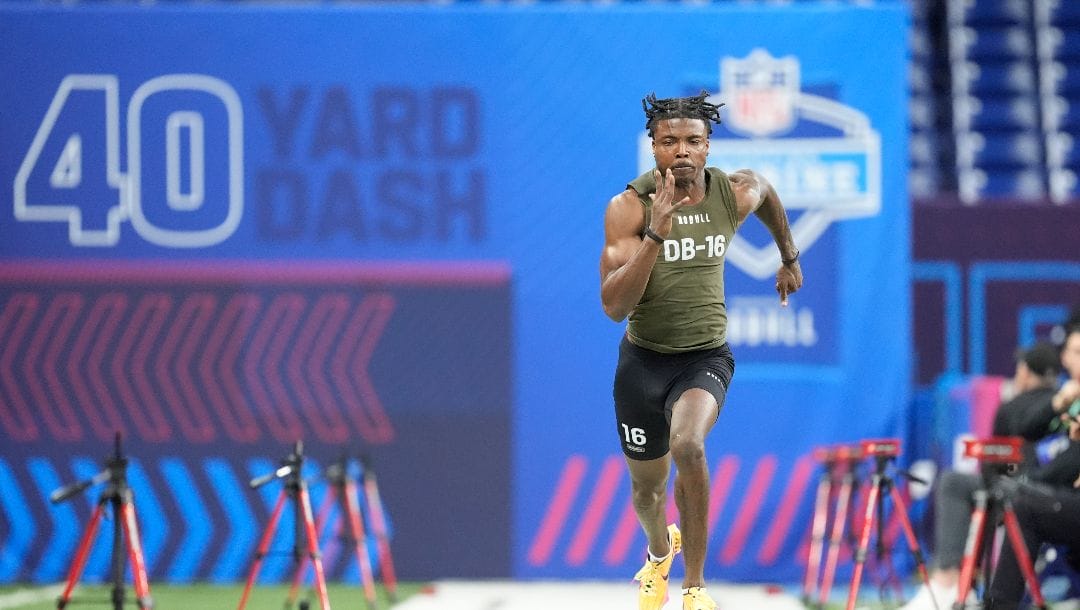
(81,555)
(360,539)
(913,542)
(843,504)
(817,535)
(320,525)
(1023,558)
(972,548)
(135,555)
(264,546)
(313,547)
(378,526)
(864,541)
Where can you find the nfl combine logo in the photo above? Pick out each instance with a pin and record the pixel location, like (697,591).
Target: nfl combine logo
(760,92)
(832,175)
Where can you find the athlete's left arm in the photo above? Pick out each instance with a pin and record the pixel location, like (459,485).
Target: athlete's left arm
(754,194)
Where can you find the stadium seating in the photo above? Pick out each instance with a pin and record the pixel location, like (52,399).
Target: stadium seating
(997,118)
(995,93)
(1057,35)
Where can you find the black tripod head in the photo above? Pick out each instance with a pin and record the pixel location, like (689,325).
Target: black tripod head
(838,458)
(825,455)
(115,471)
(337,473)
(885,451)
(849,456)
(999,457)
(290,467)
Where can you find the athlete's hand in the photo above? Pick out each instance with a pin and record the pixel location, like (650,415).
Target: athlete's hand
(662,205)
(788,280)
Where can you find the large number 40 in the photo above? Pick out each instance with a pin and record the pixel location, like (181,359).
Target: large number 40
(71,172)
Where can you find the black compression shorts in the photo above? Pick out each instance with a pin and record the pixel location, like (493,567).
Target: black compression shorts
(647,384)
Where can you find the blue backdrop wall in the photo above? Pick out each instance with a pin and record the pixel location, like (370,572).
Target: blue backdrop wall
(377,228)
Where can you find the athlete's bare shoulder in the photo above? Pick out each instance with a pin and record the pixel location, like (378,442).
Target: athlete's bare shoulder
(625,213)
(749,188)
(628,197)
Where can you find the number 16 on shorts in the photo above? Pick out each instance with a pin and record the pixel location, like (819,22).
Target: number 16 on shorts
(634,438)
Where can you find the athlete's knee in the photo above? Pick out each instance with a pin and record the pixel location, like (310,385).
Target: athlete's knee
(648,496)
(687,451)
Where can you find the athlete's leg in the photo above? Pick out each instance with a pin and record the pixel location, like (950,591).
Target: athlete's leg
(692,416)
(640,391)
(649,483)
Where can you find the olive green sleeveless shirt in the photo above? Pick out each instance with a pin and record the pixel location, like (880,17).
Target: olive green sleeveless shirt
(683,305)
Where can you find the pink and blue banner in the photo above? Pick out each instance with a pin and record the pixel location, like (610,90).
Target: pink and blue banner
(378,227)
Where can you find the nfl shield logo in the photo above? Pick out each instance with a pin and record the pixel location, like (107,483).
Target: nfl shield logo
(825,178)
(761,91)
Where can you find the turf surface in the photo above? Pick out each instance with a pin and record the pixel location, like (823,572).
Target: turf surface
(192,597)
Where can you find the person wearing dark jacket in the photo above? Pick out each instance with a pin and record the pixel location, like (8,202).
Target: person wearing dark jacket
(1047,505)
(1025,415)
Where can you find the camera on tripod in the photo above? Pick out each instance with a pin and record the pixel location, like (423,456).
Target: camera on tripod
(881,447)
(997,455)
(995,449)
(846,454)
(125,535)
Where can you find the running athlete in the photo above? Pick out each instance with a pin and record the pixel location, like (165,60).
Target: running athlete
(662,266)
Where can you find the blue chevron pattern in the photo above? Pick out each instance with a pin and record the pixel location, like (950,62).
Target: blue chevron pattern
(187,533)
(153,525)
(20,526)
(242,534)
(64,540)
(199,528)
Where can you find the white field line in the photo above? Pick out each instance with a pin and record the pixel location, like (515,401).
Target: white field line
(25,597)
(498,595)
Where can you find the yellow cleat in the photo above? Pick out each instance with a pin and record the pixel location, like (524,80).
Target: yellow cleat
(652,592)
(695,598)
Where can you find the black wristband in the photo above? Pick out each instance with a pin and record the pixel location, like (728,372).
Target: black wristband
(652,235)
(792,260)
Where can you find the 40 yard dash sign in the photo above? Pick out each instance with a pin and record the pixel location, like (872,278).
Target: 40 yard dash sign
(72,170)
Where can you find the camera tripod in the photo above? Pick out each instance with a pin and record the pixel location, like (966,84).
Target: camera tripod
(841,461)
(998,455)
(122,500)
(379,528)
(884,451)
(342,490)
(296,489)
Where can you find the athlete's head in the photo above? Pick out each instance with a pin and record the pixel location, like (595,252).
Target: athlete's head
(693,107)
(680,128)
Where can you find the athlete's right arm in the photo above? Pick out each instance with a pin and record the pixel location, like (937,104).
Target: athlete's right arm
(627,259)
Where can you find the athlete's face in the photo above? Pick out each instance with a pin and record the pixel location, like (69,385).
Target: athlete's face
(681,145)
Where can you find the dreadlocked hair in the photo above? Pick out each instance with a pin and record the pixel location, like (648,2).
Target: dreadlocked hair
(693,107)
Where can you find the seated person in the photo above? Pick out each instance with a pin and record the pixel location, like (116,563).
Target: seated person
(1048,512)
(1027,414)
